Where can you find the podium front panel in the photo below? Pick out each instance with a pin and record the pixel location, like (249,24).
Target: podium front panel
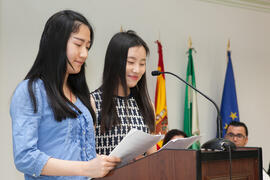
(193,165)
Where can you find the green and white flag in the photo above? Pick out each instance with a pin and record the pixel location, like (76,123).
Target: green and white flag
(191,121)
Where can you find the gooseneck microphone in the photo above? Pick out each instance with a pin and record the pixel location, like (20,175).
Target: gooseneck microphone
(219,132)
(217,143)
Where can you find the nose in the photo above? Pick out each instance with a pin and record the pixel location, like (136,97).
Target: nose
(136,68)
(234,138)
(84,53)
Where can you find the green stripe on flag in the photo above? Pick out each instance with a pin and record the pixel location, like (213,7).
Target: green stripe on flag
(191,122)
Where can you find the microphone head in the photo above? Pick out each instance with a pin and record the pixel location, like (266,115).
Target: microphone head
(155,73)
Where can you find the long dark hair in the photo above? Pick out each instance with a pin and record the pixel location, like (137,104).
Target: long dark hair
(114,73)
(51,65)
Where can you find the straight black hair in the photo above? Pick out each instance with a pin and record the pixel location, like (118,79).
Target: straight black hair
(51,65)
(114,73)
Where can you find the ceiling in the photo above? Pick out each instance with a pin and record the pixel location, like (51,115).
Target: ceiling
(257,5)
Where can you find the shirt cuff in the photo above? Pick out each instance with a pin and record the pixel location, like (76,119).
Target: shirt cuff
(42,160)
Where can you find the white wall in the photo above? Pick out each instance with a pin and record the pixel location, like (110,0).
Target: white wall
(209,25)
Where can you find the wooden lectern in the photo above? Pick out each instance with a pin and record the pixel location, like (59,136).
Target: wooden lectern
(188,164)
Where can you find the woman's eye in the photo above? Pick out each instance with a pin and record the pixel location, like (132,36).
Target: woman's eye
(130,62)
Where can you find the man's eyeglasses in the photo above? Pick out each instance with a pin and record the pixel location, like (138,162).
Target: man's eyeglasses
(239,136)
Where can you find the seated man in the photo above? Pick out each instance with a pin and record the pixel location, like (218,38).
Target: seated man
(237,132)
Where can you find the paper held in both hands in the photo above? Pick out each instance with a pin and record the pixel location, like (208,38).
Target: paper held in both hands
(137,142)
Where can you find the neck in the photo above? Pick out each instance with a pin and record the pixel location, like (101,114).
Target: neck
(65,86)
(65,81)
(66,90)
(121,91)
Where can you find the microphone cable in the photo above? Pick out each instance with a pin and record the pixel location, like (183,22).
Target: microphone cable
(230,157)
(227,147)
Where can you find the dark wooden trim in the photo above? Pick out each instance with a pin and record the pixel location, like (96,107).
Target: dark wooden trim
(199,165)
(193,165)
(224,155)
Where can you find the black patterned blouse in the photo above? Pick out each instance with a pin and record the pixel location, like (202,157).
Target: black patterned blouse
(131,118)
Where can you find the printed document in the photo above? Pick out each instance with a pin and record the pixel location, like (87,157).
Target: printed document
(181,143)
(135,143)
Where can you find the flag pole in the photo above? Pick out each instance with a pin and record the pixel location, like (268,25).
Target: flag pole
(220,143)
(189,43)
(229,45)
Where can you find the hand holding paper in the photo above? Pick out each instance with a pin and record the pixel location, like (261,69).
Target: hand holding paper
(136,142)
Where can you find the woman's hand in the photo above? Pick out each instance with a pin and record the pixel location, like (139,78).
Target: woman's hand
(139,157)
(97,167)
(101,165)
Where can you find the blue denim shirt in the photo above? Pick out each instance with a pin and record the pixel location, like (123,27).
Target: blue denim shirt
(38,136)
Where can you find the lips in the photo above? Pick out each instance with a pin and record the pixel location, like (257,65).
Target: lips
(80,62)
(133,77)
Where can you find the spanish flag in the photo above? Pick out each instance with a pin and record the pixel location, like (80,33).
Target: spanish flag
(160,99)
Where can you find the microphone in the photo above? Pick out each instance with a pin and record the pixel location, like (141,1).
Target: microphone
(216,143)
(156,73)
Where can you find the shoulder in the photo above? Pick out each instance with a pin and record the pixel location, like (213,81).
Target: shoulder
(22,90)
(92,101)
(23,86)
(95,98)
(36,83)
(153,105)
(96,95)
(97,91)
(21,98)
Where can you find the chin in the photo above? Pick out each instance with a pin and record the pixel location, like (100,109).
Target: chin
(131,85)
(77,71)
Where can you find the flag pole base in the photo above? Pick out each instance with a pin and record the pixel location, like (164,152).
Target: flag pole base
(218,144)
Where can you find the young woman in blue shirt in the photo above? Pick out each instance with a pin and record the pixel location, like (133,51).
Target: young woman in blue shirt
(52,119)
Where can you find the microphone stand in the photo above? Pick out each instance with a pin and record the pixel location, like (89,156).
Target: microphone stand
(216,143)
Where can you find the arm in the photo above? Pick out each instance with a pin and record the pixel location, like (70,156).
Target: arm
(148,152)
(25,123)
(93,103)
(154,148)
(154,116)
(97,167)
(27,156)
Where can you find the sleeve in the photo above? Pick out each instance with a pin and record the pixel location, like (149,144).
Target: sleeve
(25,123)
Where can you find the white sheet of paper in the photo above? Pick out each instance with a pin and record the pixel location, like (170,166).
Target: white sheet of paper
(135,143)
(265,176)
(181,143)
